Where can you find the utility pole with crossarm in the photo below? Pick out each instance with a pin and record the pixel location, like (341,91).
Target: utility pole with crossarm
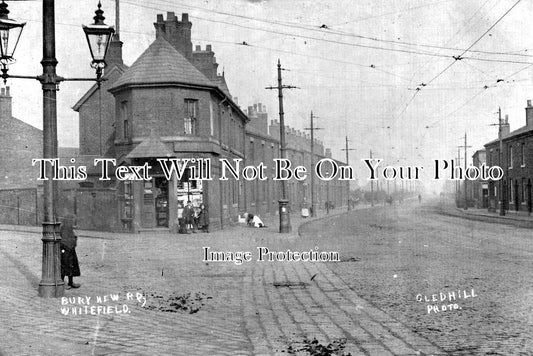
(284,215)
(312,129)
(347,149)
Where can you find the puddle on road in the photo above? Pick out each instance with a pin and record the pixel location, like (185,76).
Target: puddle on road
(315,348)
(190,302)
(295,285)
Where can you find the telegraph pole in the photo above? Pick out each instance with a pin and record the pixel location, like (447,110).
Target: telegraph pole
(312,129)
(465,193)
(348,163)
(457,183)
(500,153)
(284,215)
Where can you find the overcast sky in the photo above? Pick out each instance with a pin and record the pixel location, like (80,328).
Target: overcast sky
(358,64)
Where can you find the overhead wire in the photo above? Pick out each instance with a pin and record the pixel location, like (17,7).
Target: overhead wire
(327,30)
(457,58)
(399,50)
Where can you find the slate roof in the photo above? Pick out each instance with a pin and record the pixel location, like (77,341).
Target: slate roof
(510,135)
(221,83)
(161,63)
(152,146)
(107,75)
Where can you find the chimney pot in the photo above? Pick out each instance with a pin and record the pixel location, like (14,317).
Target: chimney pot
(208,48)
(184,17)
(171,16)
(160,18)
(529,103)
(198,48)
(7,91)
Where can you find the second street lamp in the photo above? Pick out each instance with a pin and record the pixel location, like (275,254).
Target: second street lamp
(98,37)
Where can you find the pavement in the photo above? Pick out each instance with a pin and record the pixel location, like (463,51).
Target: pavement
(152,294)
(519,219)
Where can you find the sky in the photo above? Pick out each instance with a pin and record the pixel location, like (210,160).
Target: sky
(381,72)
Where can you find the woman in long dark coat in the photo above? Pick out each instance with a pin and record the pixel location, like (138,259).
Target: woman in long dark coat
(203,218)
(69,260)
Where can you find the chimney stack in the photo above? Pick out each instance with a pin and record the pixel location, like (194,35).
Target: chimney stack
(178,33)
(5,104)
(529,114)
(506,129)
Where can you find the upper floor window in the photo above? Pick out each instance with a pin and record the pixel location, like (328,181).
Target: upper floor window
(191,115)
(125,119)
(510,156)
(523,155)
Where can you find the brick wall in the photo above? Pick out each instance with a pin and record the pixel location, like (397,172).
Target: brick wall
(20,143)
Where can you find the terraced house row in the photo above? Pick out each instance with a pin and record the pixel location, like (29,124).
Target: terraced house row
(516,160)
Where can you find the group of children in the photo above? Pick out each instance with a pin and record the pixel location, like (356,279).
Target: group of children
(192,220)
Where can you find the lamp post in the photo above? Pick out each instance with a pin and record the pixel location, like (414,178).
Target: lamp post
(51,284)
(10,31)
(98,37)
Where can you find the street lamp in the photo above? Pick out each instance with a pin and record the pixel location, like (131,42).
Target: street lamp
(10,31)
(51,284)
(98,37)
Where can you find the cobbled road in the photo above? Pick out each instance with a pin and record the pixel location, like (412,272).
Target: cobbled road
(370,303)
(397,256)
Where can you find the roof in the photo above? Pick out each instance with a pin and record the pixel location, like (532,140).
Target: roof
(150,147)
(161,63)
(90,92)
(510,135)
(221,83)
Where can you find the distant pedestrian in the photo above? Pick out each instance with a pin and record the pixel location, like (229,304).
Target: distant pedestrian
(188,217)
(203,218)
(419,199)
(69,259)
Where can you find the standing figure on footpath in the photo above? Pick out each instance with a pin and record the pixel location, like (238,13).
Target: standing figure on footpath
(188,217)
(203,218)
(69,259)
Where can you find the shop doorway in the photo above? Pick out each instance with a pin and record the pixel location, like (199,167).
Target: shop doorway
(155,203)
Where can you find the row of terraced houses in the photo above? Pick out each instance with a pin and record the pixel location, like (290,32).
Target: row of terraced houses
(513,191)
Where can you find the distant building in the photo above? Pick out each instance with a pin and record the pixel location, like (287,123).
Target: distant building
(20,191)
(516,160)
(20,143)
(478,190)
